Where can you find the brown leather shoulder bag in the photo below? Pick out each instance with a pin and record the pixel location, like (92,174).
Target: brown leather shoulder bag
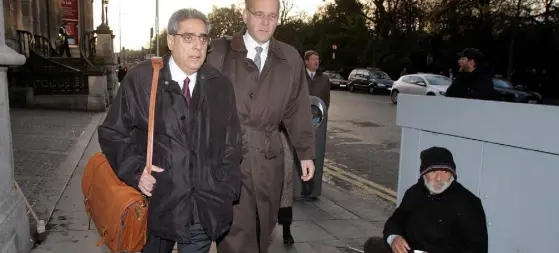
(118,210)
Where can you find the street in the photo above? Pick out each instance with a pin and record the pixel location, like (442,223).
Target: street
(363,144)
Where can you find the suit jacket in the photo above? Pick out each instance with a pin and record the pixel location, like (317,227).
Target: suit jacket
(319,86)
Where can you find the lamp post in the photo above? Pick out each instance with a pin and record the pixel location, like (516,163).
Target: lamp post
(120,26)
(156,28)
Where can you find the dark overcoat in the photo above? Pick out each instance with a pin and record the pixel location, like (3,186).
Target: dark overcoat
(279,94)
(450,222)
(198,146)
(319,86)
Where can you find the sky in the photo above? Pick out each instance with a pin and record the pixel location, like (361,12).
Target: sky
(138,16)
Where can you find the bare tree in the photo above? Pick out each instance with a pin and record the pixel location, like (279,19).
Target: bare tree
(285,9)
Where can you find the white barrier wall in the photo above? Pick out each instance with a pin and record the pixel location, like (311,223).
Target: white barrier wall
(506,153)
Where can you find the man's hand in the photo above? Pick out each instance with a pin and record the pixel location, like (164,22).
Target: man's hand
(147,181)
(307,167)
(399,245)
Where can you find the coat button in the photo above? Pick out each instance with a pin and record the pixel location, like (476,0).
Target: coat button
(251,95)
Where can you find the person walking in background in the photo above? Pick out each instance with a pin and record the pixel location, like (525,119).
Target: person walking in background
(404,72)
(319,84)
(472,81)
(63,38)
(271,88)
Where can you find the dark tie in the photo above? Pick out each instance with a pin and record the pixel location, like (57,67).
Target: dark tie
(186,90)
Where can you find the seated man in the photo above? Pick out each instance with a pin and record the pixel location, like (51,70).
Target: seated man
(437,214)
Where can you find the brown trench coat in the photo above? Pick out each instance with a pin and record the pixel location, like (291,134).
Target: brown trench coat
(263,101)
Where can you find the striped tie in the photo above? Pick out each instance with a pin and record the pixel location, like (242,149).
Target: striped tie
(257,58)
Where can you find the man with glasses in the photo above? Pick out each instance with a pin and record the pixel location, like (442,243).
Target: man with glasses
(271,88)
(196,147)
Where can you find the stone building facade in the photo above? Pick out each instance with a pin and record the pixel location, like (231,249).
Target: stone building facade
(44,17)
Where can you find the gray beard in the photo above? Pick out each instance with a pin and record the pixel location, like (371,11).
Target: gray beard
(443,185)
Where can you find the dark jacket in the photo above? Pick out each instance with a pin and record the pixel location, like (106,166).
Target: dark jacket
(319,86)
(198,146)
(450,222)
(477,84)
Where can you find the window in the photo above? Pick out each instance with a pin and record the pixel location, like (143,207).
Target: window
(353,74)
(498,83)
(416,80)
(380,75)
(438,80)
(335,76)
(407,79)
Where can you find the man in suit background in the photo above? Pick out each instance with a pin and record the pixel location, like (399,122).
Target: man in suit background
(319,84)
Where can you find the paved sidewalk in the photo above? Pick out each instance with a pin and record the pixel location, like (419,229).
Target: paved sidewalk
(335,219)
(47,146)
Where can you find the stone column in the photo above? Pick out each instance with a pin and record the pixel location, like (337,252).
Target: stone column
(105,50)
(14,224)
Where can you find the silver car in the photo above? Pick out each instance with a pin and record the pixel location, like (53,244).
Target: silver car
(420,84)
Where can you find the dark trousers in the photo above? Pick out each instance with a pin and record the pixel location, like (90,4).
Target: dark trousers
(285,215)
(200,243)
(65,48)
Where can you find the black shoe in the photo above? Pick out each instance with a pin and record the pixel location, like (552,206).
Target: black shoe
(288,239)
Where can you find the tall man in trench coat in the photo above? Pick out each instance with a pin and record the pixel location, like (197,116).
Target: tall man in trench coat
(270,88)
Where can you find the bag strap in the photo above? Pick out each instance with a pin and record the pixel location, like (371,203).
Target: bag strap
(157,64)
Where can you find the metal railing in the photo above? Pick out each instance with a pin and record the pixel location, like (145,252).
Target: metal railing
(44,47)
(26,42)
(87,46)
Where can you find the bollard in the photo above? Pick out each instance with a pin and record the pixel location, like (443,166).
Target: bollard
(313,188)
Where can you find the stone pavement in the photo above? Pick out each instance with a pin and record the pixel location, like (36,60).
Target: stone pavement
(336,219)
(47,146)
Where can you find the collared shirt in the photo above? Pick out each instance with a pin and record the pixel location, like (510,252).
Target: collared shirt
(251,44)
(179,76)
(311,73)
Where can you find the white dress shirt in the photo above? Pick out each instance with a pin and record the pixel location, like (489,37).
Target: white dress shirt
(311,74)
(251,44)
(179,76)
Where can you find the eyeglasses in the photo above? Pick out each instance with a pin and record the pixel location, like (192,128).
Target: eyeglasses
(261,15)
(189,38)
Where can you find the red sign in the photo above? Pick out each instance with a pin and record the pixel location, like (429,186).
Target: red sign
(70,10)
(72,30)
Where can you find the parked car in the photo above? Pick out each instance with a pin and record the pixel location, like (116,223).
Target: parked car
(436,85)
(420,84)
(510,93)
(336,80)
(369,80)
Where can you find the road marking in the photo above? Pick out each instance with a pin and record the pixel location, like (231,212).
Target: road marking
(382,102)
(334,169)
(361,185)
(336,166)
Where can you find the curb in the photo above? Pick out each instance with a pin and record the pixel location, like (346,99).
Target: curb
(74,157)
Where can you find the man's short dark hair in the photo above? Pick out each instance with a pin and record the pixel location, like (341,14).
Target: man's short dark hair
(473,54)
(309,53)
